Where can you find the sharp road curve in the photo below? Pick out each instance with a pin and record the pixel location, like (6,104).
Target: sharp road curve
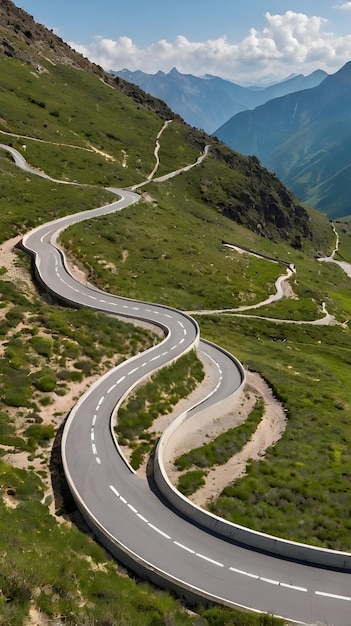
(126,512)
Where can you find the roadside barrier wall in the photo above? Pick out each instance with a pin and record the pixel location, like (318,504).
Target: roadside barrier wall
(235,533)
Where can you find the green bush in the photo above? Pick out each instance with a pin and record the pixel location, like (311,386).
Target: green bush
(138,454)
(16,396)
(42,345)
(191,481)
(40,433)
(44,380)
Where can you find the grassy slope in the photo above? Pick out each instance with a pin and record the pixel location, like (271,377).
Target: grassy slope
(172,253)
(198,272)
(67,574)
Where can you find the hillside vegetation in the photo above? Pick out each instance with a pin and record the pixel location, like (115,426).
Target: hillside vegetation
(305,139)
(74,122)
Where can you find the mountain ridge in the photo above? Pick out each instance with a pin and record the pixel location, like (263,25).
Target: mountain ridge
(261,203)
(73,126)
(207,102)
(305,139)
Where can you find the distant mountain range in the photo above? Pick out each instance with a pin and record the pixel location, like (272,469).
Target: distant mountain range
(209,102)
(305,139)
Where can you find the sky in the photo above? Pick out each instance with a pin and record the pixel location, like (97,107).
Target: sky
(240,40)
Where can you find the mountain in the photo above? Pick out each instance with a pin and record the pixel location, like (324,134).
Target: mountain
(305,138)
(260,201)
(210,101)
(77,123)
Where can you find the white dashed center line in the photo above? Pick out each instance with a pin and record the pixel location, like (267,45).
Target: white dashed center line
(206,558)
(239,571)
(180,545)
(333,595)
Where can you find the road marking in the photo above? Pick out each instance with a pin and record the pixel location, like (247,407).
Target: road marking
(180,545)
(294,587)
(332,595)
(206,558)
(120,380)
(160,532)
(130,506)
(239,571)
(269,580)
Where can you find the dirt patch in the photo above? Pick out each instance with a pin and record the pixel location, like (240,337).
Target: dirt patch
(15,273)
(268,432)
(125,255)
(36,618)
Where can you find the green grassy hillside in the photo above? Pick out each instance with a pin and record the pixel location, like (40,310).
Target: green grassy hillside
(168,248)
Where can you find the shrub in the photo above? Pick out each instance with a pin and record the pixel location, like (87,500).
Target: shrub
(40,433)
(44,380)
(42,345)
(191,481)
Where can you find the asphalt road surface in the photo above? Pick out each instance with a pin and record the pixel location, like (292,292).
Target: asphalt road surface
(127,510)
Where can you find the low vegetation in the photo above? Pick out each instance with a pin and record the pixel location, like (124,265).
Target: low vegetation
(153,399)
(191,481)
(45,349)
(223,447)
(169,249)
(301,488)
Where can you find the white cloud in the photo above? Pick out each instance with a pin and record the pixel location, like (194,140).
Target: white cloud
(292,42)
(344,7)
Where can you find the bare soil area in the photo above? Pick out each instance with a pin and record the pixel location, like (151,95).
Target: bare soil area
(269,431)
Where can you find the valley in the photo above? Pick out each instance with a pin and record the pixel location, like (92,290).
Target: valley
(166,248)
(101,460)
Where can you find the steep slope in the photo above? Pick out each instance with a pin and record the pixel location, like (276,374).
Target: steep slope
(209,102)
(305,139)
(77,123)
(121,124)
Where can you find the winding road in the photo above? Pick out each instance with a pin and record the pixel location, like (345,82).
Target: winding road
(127,513)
